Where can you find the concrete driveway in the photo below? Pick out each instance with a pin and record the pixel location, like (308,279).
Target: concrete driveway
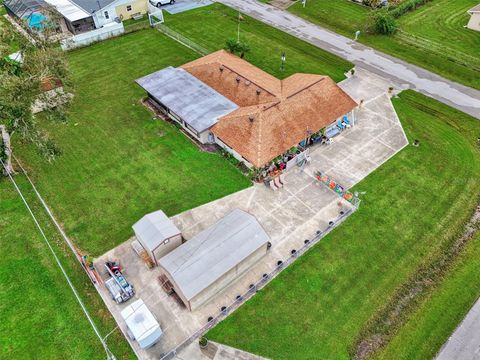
(289,215)
(465,341)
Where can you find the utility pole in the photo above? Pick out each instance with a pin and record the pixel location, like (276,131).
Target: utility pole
(238,28)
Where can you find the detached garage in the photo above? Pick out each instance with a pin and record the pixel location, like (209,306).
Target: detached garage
(157,234)
(213,259)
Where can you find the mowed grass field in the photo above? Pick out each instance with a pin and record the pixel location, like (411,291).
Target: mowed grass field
(414,204)
(432,37)
(212,25)
(437,316)
(117,162)
(40,318)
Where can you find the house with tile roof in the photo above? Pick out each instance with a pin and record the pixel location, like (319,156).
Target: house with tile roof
(223,99)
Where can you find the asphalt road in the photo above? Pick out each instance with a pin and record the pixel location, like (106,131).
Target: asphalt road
(400,72)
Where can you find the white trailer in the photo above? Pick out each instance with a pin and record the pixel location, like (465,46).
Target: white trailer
(142,324)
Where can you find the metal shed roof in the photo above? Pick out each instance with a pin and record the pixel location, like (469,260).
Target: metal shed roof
(191,99)
(69,10)
(201,261)
(91,6)
(154,228)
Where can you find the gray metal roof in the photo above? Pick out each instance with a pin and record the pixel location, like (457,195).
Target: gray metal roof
(91,6)
(201,261)
(154,228)
(192,100)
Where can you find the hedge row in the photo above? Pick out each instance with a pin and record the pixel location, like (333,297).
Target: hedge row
(406,6)
(384,19)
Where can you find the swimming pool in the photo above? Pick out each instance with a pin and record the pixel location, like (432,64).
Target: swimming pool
(35,20)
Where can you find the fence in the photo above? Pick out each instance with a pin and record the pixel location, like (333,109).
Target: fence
(108,31)
(264,280)
(181,39)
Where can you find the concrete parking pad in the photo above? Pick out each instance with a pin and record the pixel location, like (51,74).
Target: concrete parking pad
(289,216)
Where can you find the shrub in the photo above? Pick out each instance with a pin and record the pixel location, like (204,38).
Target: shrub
(406,6)
(384,23)
(372,3)
(203,341)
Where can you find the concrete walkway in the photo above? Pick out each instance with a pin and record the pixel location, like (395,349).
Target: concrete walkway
(410,76)
(465,341)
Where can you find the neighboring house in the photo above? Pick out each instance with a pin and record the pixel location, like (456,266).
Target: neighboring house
(78,16)
(474,22)
(213,259)
(221,98)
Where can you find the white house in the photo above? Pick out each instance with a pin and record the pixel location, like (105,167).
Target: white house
(84,15)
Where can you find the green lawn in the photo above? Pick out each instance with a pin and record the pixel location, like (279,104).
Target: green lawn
(438,315)
(414,204)
(211,26)
(432,37)
(40,316)
(118,163)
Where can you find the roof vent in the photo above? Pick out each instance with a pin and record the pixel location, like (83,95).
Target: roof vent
(238,79)
(259,91)
(251,118)
(247,82)
(221,68)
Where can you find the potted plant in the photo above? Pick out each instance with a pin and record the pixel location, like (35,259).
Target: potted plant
(203,342)
(89,261)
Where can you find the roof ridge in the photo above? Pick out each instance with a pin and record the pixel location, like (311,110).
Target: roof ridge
(305,88)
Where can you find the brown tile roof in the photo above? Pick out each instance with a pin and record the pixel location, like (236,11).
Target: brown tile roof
(235,78)
(268,124)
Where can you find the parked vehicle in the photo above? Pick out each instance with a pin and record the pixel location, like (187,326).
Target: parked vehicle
(159,3)
(117,285)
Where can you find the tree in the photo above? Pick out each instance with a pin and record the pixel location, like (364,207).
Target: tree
(235,47)
(21,82)
(231,45)
(243,48)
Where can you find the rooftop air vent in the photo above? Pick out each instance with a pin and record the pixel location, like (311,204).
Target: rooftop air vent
(221,68)
(251,118)
(259,91)
(247,82)
(238,79)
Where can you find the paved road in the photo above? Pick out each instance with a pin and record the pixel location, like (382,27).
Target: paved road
(400,72)
(465,341)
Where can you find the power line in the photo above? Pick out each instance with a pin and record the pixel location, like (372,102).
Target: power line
(110,355)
